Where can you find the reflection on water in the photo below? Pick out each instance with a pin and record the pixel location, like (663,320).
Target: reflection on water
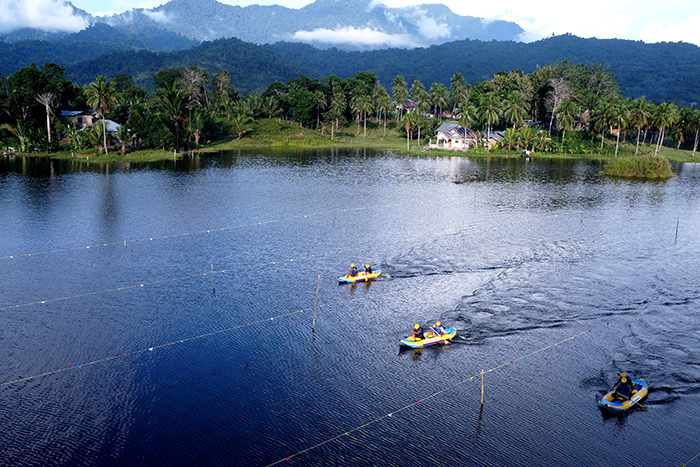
(520,256)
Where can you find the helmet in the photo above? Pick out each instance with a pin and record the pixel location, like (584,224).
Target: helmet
(367,266)
(417,326)
(352,265)
(438,323)
(623,375)
(623,380)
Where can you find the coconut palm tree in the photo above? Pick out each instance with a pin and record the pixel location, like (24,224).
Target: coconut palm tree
(384,105)
(46,99)
(399,90)
(515,108)
(666,116)
(102,96)
(459,91)
(439,96)
(171,106)
(465,114)
(338,106)
(409,122)
(619,117)
(320,98)
(489,110)
(695,124)
(566,117)
(640,116)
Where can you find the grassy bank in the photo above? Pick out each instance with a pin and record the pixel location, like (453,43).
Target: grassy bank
(272,133)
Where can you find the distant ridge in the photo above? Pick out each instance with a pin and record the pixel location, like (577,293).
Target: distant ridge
(347,24)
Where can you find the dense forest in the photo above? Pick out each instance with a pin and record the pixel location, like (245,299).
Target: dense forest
(659,72)
(564,107)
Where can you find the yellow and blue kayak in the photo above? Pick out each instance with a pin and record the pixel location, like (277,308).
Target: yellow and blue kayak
(639,392)
(360,277)
(430,339)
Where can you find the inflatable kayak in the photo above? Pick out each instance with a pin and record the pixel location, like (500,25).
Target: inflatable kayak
(430,339)
(360,277)
(639,392)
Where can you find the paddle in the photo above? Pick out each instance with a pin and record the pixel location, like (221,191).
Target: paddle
(438,334)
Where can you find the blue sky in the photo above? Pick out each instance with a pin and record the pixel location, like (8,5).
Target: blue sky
(647,20)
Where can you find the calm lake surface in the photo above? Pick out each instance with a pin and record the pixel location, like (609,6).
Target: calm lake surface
(119,348)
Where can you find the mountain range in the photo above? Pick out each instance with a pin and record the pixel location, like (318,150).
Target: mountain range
(345,24)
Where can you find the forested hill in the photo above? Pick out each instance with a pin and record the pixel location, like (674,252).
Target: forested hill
(663,71)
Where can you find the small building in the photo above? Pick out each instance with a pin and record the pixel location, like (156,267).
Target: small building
(492,137)
(79,118)
(454,137)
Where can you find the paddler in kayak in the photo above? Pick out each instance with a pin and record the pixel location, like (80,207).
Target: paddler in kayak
(417,333)
(353,271)
(623,387)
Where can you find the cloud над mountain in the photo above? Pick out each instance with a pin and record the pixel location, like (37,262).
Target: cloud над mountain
(45,15)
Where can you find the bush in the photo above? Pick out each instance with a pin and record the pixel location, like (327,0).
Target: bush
(647,167)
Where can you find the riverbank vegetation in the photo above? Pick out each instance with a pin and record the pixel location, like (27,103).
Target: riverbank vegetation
(561,110)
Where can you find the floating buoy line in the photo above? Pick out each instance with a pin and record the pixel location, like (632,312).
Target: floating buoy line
(189,339)
(417,403)
(230,228)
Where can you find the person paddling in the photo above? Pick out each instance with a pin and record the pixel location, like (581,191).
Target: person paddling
(353,271)
(623,387)
(417,332)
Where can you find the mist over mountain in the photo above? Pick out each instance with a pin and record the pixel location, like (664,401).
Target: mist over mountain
(345,24)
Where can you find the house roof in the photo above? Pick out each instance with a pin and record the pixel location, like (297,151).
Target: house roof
(496,135)
(454,131)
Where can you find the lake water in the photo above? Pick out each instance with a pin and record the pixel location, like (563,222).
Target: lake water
(119,348)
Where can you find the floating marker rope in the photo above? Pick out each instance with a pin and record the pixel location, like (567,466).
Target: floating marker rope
(426,398)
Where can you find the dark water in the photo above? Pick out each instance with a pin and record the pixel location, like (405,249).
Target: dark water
(569,275)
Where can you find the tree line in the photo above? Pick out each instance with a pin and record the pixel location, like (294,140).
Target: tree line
(560,107)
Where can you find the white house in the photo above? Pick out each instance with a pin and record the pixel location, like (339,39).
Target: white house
(452,136)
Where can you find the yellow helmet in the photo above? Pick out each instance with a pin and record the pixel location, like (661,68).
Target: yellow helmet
(624,380)
(352,265)
(438,323)
(367,266)
(417,326)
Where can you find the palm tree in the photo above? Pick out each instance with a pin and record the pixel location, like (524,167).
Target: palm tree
(489,110)
(620,118)
(439,96)
(384,105)
(666,116)
(102,96)
(240,123)
(125,137)
(527,136)
(366,108)
(399,89)
(640,116)
(515,108)
(600,119)
(46,99)
(170,103)
(695,124)
(320,98)
(409,122)
(338,106)
(510,138)
(271,106)
(459,91)
(465,114)
(19,132)
(566,117)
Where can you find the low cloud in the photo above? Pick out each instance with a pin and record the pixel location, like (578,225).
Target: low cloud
(429,27)
(157,16)
(364,37)
(46,15)
(661,30)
